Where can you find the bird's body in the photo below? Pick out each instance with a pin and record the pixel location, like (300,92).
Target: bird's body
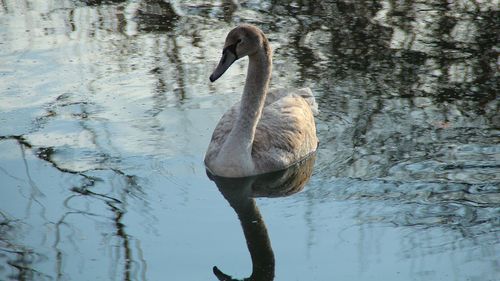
(268,130)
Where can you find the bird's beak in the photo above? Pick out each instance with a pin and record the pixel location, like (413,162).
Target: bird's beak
(227,59)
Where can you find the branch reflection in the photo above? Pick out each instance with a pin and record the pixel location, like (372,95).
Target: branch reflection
(240,193)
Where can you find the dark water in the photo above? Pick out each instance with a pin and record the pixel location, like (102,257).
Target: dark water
(106,111)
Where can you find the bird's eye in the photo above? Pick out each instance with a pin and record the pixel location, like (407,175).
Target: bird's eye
(238,42)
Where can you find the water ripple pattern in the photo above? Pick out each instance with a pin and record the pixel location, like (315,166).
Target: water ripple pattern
(106,111)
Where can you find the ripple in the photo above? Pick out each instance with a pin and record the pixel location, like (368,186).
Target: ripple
(106,113)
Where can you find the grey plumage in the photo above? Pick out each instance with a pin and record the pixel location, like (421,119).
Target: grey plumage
(268,130)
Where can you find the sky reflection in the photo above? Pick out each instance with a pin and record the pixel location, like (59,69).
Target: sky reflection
(106,112)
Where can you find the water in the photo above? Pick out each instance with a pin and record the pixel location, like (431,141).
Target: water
(106,112)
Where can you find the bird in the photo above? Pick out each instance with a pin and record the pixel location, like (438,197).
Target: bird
(267,130)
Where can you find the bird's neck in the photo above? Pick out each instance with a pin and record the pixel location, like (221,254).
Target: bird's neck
(240,140)
(253,98)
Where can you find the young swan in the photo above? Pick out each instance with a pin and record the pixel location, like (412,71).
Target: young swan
(265,131)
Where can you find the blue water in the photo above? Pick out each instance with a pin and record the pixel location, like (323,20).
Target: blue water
(106,111)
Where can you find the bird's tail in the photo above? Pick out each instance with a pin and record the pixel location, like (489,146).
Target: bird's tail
(307,94)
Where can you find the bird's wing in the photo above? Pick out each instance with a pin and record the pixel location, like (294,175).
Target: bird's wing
(285,134)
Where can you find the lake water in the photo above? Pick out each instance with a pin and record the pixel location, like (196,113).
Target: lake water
(106,111)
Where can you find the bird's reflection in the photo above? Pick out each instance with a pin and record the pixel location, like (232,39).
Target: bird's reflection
(240,193)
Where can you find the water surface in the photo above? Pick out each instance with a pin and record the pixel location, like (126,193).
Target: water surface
(106,111)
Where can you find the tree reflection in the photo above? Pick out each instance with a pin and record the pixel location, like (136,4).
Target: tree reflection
(408,93)
(25,260)
(18,257)
(240,193)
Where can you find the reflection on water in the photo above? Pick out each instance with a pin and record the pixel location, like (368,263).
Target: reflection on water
(239,192)
(106,111)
